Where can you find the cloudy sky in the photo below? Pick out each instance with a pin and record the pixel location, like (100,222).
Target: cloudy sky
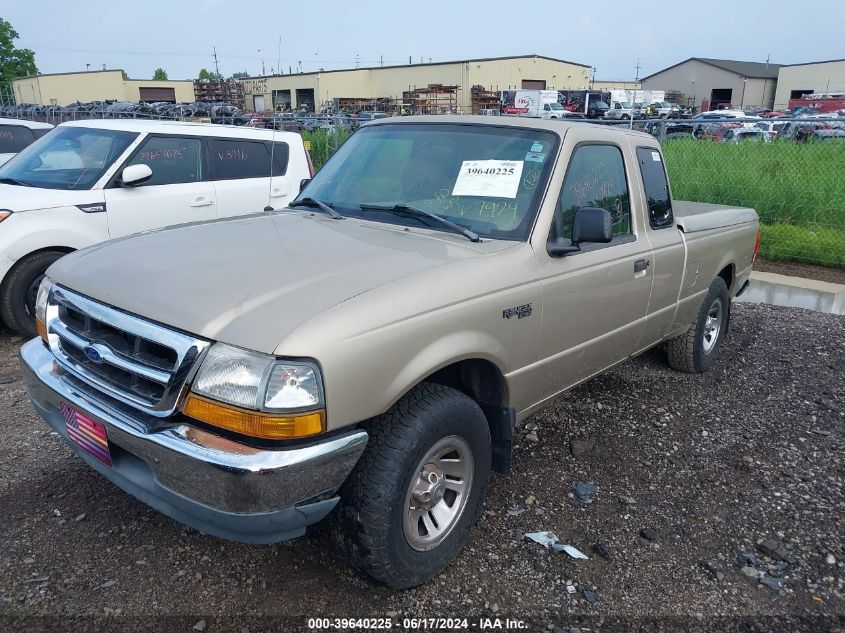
(180,36)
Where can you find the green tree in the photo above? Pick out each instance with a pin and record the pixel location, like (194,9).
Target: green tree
(204,75)
(241,75)
(14,62)
(124,75)
(160,74)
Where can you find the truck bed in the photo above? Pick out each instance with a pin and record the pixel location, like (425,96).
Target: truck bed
(692,217)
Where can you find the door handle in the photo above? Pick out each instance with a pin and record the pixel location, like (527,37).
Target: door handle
(202,202)
(278,193)
(641,265)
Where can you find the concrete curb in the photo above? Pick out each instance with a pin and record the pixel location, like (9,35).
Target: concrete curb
(795,292)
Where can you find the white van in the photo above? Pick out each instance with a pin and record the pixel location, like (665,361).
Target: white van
(15,134)
(89,181)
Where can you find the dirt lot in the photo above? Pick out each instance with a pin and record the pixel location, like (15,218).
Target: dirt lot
(692,472)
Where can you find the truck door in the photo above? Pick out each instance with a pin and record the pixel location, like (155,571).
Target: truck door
(595,300)
(668,251)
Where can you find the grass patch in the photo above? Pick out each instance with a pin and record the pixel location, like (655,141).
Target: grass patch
(797,188)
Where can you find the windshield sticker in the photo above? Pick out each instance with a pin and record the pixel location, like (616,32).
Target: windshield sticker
(489,178)
(655,156)
(534,157)
(537,147)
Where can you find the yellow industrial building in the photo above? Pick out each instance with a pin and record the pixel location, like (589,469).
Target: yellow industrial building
(98,85)
(455,86)
(797,80)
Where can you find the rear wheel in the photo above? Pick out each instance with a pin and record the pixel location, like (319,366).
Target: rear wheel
(696,349)
(407,508)
(21,289)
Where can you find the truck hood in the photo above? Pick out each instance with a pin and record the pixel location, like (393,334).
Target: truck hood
(251,280)
(17,198)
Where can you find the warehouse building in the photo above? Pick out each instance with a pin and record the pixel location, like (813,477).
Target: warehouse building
(710,84)
(457,86)
(98,85)
(797,80)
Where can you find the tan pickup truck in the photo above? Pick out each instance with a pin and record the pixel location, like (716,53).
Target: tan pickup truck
(368,350)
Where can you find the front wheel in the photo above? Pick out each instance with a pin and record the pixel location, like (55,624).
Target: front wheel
(696,349)
(21,288)
(408,506)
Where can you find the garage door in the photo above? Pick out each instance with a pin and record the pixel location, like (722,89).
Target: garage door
(158,94)
(533,84)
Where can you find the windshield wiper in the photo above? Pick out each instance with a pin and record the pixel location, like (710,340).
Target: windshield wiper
(315,204)
(404,209)
(12,181)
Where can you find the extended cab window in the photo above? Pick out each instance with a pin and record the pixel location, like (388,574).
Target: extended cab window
(233,159)
(595,178)
(173,159)
(656,188)
(13,138)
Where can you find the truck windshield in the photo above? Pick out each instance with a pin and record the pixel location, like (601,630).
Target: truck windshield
(485,178)
(67,158)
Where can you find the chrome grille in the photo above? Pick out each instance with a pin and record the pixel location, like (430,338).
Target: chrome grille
(129,358)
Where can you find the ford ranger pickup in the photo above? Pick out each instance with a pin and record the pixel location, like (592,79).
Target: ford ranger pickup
(367,351)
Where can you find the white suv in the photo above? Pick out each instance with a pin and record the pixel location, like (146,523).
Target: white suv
(89,181)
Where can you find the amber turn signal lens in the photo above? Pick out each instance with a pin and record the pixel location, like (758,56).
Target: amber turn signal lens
(42,329)
(255,423)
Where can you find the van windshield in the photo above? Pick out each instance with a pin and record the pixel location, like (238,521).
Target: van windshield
(67,158)
(487,178)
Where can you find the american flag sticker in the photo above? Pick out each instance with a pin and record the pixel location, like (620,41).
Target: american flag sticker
(89,434)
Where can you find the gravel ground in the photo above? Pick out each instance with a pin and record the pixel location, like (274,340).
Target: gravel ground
(693,472)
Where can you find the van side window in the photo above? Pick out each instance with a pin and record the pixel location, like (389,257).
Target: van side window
(595,178)
(656,188)
(233,159)
(173,159)
(13,138)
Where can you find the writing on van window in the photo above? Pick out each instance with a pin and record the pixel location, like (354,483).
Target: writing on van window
(6,135)
(233,153)
(446,204)
(175,153)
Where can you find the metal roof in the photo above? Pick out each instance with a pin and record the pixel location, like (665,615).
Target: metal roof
(754,70)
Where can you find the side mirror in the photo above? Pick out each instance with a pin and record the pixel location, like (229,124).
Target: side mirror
(135,175)
(591,225)
(303,183)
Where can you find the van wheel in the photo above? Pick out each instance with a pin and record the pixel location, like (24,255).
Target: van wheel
(696,349)
(625,117)
(21,288)
(408,506)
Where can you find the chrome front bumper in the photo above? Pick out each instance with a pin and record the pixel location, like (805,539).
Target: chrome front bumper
(208,482)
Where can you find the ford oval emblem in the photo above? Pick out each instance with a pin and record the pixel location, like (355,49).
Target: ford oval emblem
(93,354)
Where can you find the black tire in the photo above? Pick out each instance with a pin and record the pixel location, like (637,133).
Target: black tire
(625,117)
(695,351)
(372,512)
(18,293)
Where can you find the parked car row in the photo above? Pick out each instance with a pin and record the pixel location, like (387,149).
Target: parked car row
(111,109)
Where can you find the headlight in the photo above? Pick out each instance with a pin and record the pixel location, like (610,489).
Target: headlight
(41,306)
(261,389)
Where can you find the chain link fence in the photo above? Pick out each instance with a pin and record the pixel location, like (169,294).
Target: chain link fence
(790,170)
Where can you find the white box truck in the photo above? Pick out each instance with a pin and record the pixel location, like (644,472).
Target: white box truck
(537,104)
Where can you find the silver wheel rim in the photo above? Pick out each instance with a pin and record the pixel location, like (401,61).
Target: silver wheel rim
(438,493)
(712,326)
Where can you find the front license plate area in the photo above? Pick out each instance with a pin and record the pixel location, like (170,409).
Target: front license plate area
(87,433)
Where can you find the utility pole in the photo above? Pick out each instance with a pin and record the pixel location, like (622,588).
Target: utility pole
(216,66)
(279,59)
(637,78)
(381,60)
(87,67)
(262,62)
(357,60)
